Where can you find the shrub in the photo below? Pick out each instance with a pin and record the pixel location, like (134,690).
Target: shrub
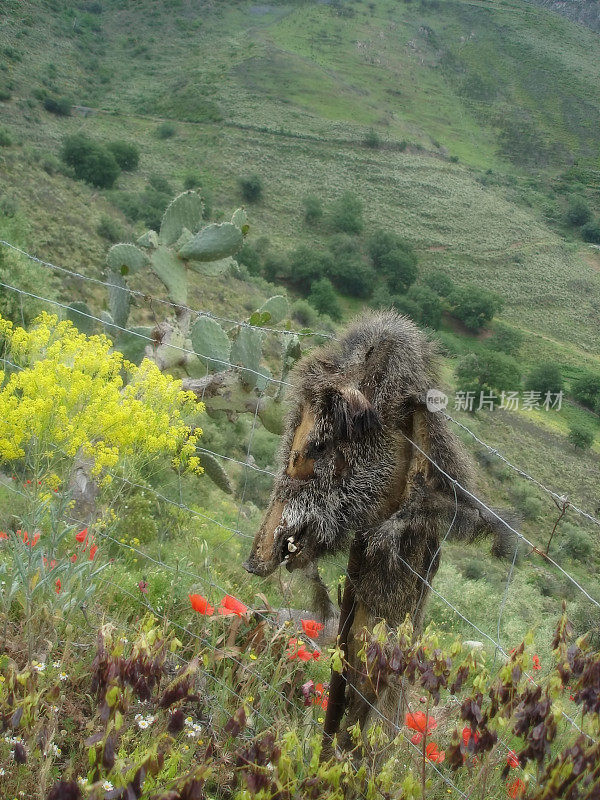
(152,205)
(250,257)
(160,184)
(429,305)
(307,265)
(578,212)
(346,214)
(488,372)
(586,389)
(166,130)
(474,306)
(507,340)
(5,94)
(575,542)
(545,378)
(395,259)
(127,154)
(313,209)
(581,435)
(91,161)
(251,188)
(276,267)
(192,180)
(347,269)
(110,229)
(439,282)
(404,305)
(61,106)
(5,138)
(527,501)
(591,232)
(304,313)
(323,297)
(372,139)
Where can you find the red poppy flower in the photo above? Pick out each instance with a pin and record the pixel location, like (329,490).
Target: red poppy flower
(199,603)
(82,535)
(58,585)
(231,605)
(51,563)
(536,662)
(311,627)
(297,650)
(93,551)
(3,535)
(143,587)
(419,722)
(433,754)
(512,759)
(73,558)
(320,698)
(516,789)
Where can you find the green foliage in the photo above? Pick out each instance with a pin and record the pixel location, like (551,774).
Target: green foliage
(277,306)
(193,180)
(439,282)
(61,106)
(575,542)
(166,130)
(488,372)
(211,344)
(590,232)
(304,314)
(581,435)
(506,339)
(16,270)
(90,160)
(346,214)
(110,229)
(578,212)
(80,315)
(429,306)
(246,351)
(346,267)
(307,265)
(323,297)
(251,187)
(474,306)
(249,256)
(372,139)
(395,259)
(127,154)
(586,389)
(527,501)
(213,243)
(313,209)
(545,378)
(5,138)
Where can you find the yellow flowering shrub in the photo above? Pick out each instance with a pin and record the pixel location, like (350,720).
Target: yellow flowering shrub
(71,394)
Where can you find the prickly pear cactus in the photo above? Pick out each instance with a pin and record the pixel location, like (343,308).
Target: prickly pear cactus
(171,271)
(119,300)
(213,243)
(80,315)
(277,307)
(184,212)
(126,259)
(215,471)
(211,344)
(246,351)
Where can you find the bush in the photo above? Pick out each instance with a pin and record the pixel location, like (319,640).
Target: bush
(323,297)
(251,188)
(429,306)
(406,306)
(591,232)
(575,542)
(395,259)
(91,161)
(347,269)
(527,501)
(488,372)
(276,267)
(160,184)
(581,435)
(110,229)
(127,154)
(586,389)
(308,265)
(578,212)
(304,314)
(505,339)
(5,138)
(250,257)
(440,283)
(346,214)
(166,130)
(5,94)
(61,106)
(313,209)
(474,306)
(372,139)
(193,180)
(545,378)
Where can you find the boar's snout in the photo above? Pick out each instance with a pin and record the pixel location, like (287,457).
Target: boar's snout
(264,557)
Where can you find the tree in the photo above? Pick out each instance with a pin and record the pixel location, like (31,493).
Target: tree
(395,259)
(61,106)
(474,306)
(439,282)
(251,188)
(313,209)
(581,435)
(586,389)
(372,139)
(346,267)
(507,340)
(346,214)
(429,306)
(306,266)
(488,372)
(545,378)
(590,232)
(578,212)
(127,154)
(90,160)
(323,297)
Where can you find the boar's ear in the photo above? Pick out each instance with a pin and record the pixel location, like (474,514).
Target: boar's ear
(350,412)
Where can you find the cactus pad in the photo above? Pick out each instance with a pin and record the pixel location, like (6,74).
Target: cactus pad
(210,341)
(246,352)
(134,347)
(79,314)
(215,471)
(240,220)
(277,307)
(126,259)
(148,239)
(171,271)
(119,301)
(185,211)
(213,243)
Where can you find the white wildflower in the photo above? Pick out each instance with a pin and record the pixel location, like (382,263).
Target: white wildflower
(107,786)
(63,676)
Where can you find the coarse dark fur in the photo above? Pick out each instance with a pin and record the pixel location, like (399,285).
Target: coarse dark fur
(358,457)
